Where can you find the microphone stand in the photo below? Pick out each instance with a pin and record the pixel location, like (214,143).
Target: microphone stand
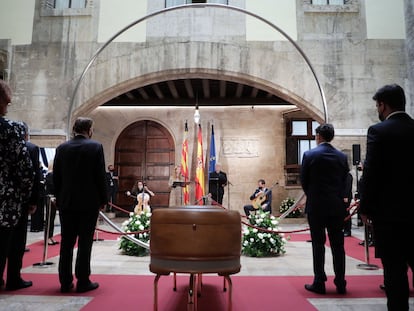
(230,184)
(217,189)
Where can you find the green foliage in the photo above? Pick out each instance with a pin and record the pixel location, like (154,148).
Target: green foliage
(136,223)
(257,243)
(286,204)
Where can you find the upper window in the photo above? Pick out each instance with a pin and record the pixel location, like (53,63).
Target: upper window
(66,7)
(328,2)
(330,6)
(170,3)
(66,4)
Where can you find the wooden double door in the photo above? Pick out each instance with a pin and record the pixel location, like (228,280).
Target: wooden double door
(144,151)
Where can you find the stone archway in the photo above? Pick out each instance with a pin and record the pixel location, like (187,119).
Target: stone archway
(144,151)
(92,94)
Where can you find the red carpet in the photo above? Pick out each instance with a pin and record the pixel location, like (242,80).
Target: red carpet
(126,292)
(352,248)
(36,249)
(121,292)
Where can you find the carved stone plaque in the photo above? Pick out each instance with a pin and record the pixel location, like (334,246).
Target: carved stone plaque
(240,147)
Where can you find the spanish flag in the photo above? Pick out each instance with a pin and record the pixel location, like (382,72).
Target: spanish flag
(184,166)
(199,180)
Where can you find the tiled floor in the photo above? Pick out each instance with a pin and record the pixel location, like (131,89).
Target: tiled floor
(107,258)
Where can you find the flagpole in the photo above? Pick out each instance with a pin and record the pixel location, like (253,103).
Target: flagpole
(184,166)
(200,178)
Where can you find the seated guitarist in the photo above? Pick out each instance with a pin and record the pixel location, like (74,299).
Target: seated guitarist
(261,199)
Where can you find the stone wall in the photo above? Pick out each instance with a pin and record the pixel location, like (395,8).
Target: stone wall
(250,143)
(350,68)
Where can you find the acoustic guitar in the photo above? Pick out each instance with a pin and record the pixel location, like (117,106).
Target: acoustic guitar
(258,201)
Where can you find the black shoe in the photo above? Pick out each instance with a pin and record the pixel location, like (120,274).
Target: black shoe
(27,249)
(18,285)
(347,233)
(316,288)
(382,286)
(340,287)
(86,288)
(362,243)
(66,288)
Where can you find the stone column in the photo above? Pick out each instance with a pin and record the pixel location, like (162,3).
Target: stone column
(409,46)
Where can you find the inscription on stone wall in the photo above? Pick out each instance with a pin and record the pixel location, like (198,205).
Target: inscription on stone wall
(240,147)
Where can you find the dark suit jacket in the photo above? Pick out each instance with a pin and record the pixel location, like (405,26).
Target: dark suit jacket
(79,175)
(389,171)
(216,181)
(323,176)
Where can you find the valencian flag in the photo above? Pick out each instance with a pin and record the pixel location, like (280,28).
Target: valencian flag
(212,159)
(199,180)
(184,166)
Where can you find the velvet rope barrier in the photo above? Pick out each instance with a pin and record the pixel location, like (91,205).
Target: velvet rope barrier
(215,203)
(354,207)
(127,235)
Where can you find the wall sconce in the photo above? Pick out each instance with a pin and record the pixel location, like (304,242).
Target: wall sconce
(196,115)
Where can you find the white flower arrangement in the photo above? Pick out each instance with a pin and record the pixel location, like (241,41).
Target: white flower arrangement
(139,224)
(286,204)
(260,242)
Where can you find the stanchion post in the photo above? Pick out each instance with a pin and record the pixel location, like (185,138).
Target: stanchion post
(367,265)
(45,263)
(96,239)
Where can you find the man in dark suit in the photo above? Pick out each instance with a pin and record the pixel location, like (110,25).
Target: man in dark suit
(323,176)
(217,180)
(112,185)
(19,238)
(80,188)
(385,195)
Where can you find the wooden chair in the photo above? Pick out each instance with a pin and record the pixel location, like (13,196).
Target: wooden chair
(195,240)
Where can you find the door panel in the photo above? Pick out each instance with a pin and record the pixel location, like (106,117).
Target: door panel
(145,150)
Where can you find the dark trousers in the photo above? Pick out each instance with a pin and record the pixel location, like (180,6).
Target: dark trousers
(37,218)
(80,226)
(393,244)
(333,225)
(249,208)
(217,197)
(5,242)
(16,251)
(50,218)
